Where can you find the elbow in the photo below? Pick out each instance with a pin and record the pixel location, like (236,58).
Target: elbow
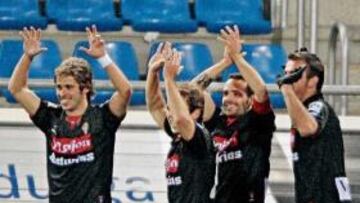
(12,89)
(182,120)
(308,130)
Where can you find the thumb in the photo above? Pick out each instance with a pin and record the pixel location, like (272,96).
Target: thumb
(42,49)
(86,50)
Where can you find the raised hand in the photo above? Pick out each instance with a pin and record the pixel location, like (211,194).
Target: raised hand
(231,38)
(172,65)
(96,43)
(158,59)
(32,44)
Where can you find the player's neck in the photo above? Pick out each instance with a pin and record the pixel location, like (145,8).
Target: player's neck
(79,110)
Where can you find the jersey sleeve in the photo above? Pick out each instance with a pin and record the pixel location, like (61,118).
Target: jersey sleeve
(211,124)
(168,130)
(111,121)
(263,115)
(320,112)
(44,115)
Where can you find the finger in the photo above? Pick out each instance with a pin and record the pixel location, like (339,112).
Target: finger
(224,34)
(32,32)
(38,34)
(43,49)
(159,48)
(88,32)
(22,34)
(84,49)
(229,31)
(237,31)
(26,33)
(94,29)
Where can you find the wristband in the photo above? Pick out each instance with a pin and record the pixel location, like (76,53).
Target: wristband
(105,61)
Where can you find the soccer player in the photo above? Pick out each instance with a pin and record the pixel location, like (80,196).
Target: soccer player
(79,136)
(317,144)
(242,129)
(190,164)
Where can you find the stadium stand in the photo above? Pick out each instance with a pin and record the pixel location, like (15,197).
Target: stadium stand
(123,54)
(196,57)
(249,15)
(16,14)
(42,67)
(76,15)
(171,16)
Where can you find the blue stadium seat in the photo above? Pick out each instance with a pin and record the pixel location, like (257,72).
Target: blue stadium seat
(268,61)
(123,54)
(76,15)
(196,57)
(170,16)
(16,14)
(247,14)
(42,67)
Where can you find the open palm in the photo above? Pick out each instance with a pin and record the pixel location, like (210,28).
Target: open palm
(32,44)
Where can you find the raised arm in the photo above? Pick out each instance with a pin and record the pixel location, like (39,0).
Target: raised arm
(18,82)
(154,99)
(231,38)
(121,97)
(177,106)
(204,79)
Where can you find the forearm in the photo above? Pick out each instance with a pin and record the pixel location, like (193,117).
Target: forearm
(301,119)
(154,98)
(118,79)
(19,77)
(204,79)
(251,76)
(175,102)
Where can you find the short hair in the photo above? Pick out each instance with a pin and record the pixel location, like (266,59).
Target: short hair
(80,70)
(313,61)
(238,76)
(193,96)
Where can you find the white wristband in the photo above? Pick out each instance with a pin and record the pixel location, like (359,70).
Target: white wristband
(105,61)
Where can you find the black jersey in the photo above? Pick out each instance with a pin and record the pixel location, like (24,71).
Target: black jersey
(79,157)
(243,148)
(319,159)
(190,167)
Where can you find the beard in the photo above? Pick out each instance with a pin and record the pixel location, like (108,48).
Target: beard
(235,109)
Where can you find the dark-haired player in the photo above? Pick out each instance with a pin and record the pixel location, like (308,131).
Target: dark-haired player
(317,144)
(242,129)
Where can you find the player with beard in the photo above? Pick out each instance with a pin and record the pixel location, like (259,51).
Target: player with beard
(242,129)
(317,143)
(190,164)
(79,136)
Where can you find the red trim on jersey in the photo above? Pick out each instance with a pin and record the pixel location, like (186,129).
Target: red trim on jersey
(230,120)
(73,121)
(263,107)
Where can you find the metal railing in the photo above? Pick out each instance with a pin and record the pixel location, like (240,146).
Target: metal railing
(215,86)
(313,25)
(339,30)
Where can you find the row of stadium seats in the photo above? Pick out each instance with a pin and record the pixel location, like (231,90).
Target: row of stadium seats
(267,59)
(168,16)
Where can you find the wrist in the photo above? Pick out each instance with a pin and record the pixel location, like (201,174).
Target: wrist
(105,61)
(30,57)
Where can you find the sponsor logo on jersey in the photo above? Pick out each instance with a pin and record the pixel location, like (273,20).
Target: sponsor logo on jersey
(222,143)
(61,161)
(172,163)
(171,181)
(228,156)
(71,146)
